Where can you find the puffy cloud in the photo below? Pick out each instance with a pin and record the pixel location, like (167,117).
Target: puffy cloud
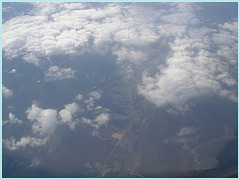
(183,14)
(193,70)
(99,120)
(230,26)
(55,29)
(130,55)
(44,120)
(66,115)
(93,95)
(12,120)
(79,97)
(198,61)
(57,73)
(31,58)
(102,119)
(6,92)
(12,144)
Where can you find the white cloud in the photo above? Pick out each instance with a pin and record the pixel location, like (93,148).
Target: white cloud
(13,71)
(44,120)
(99,120)
(67,28)
(182,14)
(57,73)
(66,115)
(6,92)
(102,119)
(79,97)
(192,70)
(192,67)
(230,26)
(12,144)
(31,58)
(93,96)
(12,120)
(130,55)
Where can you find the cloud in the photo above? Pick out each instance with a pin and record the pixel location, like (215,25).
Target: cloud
(93,95)
(71,30)
(185,135)
(99,120)
(36,162)
(183,14)
(130,55)
(12,144)
(79,97)
(44,120)
(12,120)
(6,92)
(102,119)
(197,61)
(192,70)
(13,71)
(186,131)
(31,58)
(56,73)
(66,115)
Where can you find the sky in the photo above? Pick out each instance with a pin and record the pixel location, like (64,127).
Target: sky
(175,53)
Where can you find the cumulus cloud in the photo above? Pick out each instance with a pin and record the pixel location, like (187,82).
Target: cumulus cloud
(198,61)
(130,55)
(102,119)
(6,92)
(12,120)
(44,120)
(57,73)
(183,14)
(93,96)
(66,115)
(79,97)
(191,71)
(70,30)
(12,144)
(99,120)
